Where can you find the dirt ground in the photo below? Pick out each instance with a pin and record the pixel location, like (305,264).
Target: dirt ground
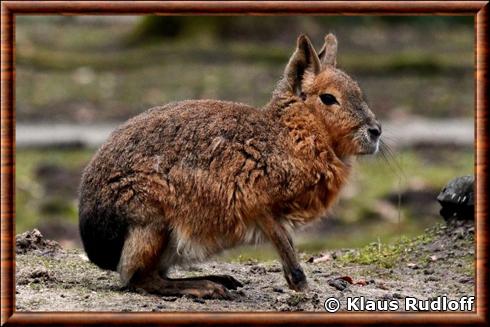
(438,263)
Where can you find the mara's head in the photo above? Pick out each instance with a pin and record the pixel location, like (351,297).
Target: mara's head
(332,95)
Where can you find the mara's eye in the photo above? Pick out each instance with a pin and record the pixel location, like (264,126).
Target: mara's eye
(328,99)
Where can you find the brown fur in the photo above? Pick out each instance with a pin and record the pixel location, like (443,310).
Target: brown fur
(185,181)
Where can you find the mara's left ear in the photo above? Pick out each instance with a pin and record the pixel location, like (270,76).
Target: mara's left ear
(328,53)
(302,63)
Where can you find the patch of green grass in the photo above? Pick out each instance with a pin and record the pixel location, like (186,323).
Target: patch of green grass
(359,234)
(384,255)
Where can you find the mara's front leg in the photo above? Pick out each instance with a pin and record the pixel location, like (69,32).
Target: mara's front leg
(282,241)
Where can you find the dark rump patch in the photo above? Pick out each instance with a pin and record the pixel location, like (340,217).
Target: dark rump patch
(103,234)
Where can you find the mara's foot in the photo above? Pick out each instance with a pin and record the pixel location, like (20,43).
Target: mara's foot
(226,280)
(200,288)
(296,280)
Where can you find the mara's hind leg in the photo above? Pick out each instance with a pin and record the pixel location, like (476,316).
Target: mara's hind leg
(138,268)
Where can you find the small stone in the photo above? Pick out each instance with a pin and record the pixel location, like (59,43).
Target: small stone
(260,270)
(432,279)
(465,280)
(284,307)
(412,265)
(387,296)
(315,299)
(274,269)
(338,283)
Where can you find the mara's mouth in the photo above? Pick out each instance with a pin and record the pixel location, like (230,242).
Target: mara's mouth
(371,148)
(368,144)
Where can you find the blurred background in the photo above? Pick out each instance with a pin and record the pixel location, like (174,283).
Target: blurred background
(77,78)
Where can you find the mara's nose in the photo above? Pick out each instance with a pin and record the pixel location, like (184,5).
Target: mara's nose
(374,131)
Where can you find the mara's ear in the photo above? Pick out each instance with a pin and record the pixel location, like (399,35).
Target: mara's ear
(302,63)
(328,53)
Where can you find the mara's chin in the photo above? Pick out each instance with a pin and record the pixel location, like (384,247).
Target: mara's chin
(371,148)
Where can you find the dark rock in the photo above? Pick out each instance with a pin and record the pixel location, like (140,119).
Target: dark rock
(457,199)
(278,290)
(338,283)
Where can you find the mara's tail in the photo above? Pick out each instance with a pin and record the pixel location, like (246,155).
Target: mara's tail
(103,234)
